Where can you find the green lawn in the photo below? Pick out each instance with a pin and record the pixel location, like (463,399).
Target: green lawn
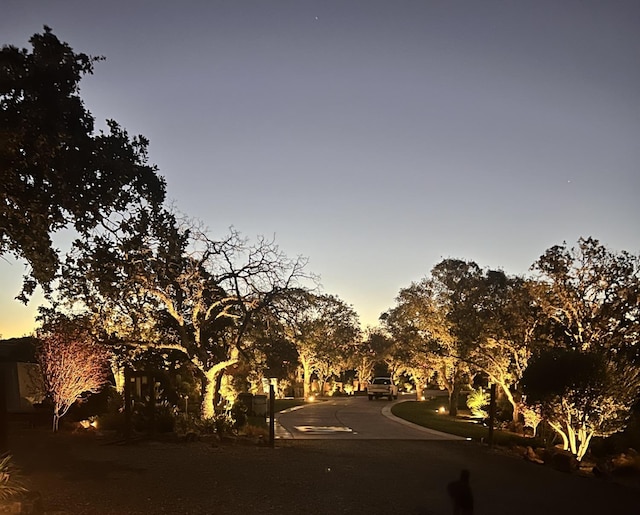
(426,414)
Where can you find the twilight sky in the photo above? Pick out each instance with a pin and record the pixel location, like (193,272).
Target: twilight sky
(374,137)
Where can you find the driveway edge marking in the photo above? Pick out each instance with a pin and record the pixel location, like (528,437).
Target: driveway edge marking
(386,411)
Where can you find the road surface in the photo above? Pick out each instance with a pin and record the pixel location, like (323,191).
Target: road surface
(352,418)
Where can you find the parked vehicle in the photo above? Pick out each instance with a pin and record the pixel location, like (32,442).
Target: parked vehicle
(382,387)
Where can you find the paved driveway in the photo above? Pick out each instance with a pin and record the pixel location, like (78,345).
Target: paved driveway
(338,457)
(351,418)
(81,476)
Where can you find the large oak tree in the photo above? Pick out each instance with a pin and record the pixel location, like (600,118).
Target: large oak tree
(55,171)
(159,282)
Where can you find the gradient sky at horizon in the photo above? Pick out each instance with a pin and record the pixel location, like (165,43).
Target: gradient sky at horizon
(374,137)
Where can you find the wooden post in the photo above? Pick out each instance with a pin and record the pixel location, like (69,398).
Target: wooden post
(492,413)
(151,383)
(127,402)
(272,416)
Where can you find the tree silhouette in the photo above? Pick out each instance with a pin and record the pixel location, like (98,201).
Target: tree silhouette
(55,171)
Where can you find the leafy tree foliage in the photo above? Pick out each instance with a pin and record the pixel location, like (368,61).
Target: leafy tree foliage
(365,355)
(55,170)
(272,354)
(325,331)
(419,324)
(587,376)
(581,394)
(509,325)
(590,297)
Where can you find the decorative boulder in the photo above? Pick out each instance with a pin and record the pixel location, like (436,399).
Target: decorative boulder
(561,460)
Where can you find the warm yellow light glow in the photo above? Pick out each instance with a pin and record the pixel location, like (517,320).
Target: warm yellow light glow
(311,398)
(422,398)
(441,409)
(86,424)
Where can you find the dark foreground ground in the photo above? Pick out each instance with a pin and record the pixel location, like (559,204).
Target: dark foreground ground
(80,474)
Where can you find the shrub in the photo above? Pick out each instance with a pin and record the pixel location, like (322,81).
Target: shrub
(239,415)
(220,424)
(11,484)
(206,426)
(476,400)
(107,400)
(111,421)
(185,423)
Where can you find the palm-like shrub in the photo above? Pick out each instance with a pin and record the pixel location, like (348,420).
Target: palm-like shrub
(11,484)
(477,400)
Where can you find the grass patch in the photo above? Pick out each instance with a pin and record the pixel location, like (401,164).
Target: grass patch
(425,414)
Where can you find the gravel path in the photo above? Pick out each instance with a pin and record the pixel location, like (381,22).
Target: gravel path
(79,474)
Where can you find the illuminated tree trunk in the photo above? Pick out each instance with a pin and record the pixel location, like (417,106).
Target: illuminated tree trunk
(56,419)
(584,445)
(364,374)
(306,380)
(454,396)
(452,386)
(419,388)
(514,404)
(572,438)
(118,376)
(207,408)
(558,429)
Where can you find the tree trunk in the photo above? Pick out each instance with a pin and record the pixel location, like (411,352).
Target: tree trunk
(208,397)
(306,379)
(118,376)
(454,396)
(323,383)
(210,380)
(558,429)
(572,439)
(420,386)
(584,446)
(515,405)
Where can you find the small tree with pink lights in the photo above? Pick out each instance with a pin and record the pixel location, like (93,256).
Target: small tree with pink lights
(72,364)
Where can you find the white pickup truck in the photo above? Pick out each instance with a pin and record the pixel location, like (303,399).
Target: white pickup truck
(382,387)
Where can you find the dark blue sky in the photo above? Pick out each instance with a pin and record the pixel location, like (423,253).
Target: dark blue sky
(374,137)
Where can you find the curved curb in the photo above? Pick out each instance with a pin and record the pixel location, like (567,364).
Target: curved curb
(386,411)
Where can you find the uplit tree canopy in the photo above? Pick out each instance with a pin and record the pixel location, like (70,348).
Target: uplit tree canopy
(56,172)
(164,283)
(587,375)
(581,394)
(590,297)
(73,363)
(325,331)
